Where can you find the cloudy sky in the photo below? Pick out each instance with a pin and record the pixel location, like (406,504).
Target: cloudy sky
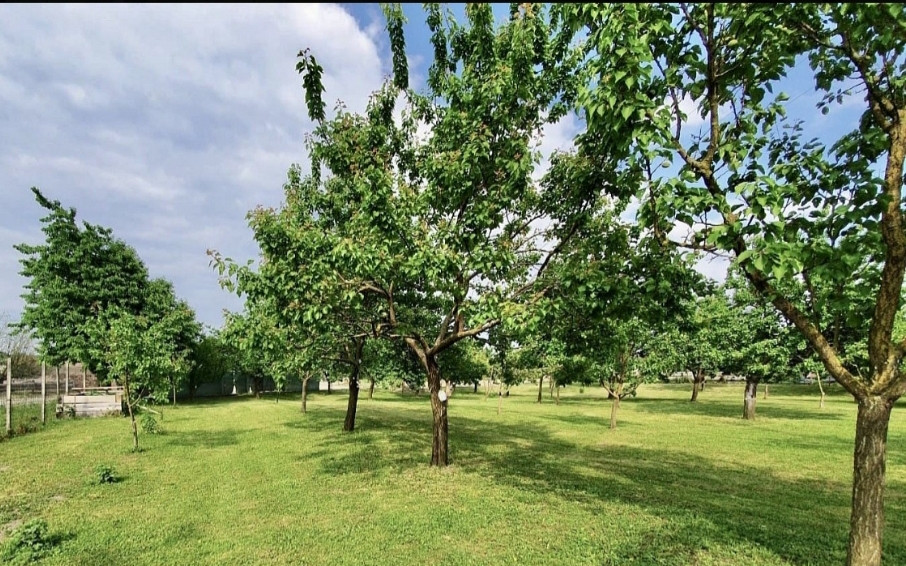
(168,123)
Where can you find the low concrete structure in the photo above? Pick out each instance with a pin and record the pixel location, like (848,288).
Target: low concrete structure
(90,405)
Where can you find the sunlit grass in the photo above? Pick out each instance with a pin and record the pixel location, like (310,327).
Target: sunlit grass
(253,481)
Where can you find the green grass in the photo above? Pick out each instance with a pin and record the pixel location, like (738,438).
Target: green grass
(26,418)
(246,481)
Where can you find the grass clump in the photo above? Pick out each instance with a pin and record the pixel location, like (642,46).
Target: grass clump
(31,541)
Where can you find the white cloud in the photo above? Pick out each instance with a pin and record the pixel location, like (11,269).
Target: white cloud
(166,123)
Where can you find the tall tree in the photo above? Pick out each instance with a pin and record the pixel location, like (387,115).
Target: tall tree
(76,273)
(438,223)
(748,182)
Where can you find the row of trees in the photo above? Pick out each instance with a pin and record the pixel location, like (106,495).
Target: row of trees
(421,219)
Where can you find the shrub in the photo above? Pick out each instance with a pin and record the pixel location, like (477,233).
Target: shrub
(105,474)
(28,543)
(149,424)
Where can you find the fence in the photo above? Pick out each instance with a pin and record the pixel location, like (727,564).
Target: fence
(26,403)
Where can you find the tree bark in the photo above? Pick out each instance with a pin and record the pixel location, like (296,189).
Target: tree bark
(869,461)
(131,414)
(540,387)
(439,441)
(352,405)
(371,390)
(821,389)
(615,404)
(767,393)
(697,384)
(305,394)
(475,387)
(748,409)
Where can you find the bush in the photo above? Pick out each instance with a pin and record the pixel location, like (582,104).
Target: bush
(105,474)
(149,424)
(28,543)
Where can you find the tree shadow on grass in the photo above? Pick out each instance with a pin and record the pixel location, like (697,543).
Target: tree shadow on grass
(703,503)
(728,409)
(204,438)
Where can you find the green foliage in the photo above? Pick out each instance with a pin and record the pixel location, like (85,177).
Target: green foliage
(30,542)
(150,425)
(104,473)
(77,272)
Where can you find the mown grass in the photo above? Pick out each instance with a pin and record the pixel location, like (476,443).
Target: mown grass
(253,481)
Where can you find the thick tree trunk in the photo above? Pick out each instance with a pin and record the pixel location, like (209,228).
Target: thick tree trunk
(698,382)
(131,414)
(305,394)
(748,409)
(439,443)
(540,387)
(866,525)
(352,405)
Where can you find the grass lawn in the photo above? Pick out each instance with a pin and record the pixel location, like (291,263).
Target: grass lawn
(251,481)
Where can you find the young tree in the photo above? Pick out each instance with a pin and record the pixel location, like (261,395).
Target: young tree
(140,352)
(746,182)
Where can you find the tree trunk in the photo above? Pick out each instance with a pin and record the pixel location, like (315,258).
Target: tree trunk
(697,384)
(305,394)
(499,397)
(748,409)
(475,387)
(371,390)
(328,387)
(866,525)
(349,423)
(540,387)
(439,443)
(821,389)
(131,414)
(551,390)
(615,404)
(558,394)
(767,386)
(174,393)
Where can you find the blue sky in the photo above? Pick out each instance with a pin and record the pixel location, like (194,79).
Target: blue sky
(168,123)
